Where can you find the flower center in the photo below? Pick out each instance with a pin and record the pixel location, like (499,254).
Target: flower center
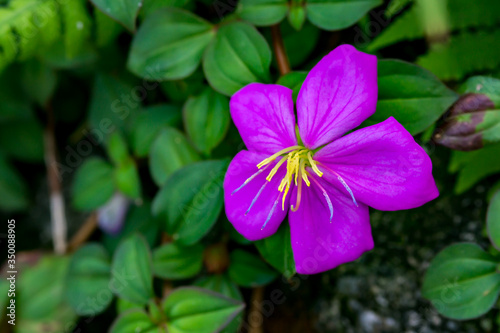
(297,158)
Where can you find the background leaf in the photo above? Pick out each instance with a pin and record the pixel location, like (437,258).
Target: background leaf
(169,45)
(123,11)
(173,261)
(262,12)
(462,282)
(131,268)
(248,270)
(239,55)
(93,184)
(277,250)
(493,220)
(206,119)
(136,321)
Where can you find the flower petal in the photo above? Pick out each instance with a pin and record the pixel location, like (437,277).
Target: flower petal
(267,206)
(383,166)
(263,114)
(339,93)
(318,244)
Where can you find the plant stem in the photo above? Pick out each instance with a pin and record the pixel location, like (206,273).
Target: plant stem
(58,216)
(255,307)
(279,50)
(83,233)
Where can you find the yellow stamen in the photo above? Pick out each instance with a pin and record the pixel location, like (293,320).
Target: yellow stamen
(313,164)
(274,156)
(275,169)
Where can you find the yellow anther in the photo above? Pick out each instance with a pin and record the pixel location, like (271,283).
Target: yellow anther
(275,169)
(274,156)
(314,166)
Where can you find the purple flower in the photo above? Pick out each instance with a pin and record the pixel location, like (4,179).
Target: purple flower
(328,179)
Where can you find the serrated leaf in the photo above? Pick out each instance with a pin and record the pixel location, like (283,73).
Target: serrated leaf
(338,14)
(173,261)
(462,281)
(93,184)
(412,95)
(239,55)
(277,250)
(262,12)
(88,278)
(464,54)
(131,269)
(192,309)
(206,119)
(169,45)
(463,14)
(170,152)
(123,11)
(191,214)
(248,270)
(493,220)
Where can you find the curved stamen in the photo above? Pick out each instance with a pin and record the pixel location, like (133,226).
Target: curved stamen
(256,197)
(271,212)
(274,156)
(313,164)
(275,169)
(299,196)
(327,197)
(342,181)
(249,179)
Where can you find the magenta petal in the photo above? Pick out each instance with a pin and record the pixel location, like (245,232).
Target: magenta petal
(251,224)
(383,166)
(339,93)
(263,114)
(318,244)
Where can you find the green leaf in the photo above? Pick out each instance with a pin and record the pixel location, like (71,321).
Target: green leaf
(220,283)
(248,270)
(192,309)
(112,103)
(493,220)
(239,55)
(169,45)
(296,15)
(488,86)
(474,166)
(263,12)
(338,14)
(148,123)
(87,282)
(170,152)
(173,261)
(93,184)
(412,95)
(299,44)
(126,177)
(277,251)
(40,303)
(39,81)
(22,139)
(206,119)
(123,11)
(180,90)
(192,200)
(139,220)
(136,321)
(13,189)
(462,14)
(107,29)
(293,80)
(464,54)
(132,267)
(77,27)
(123,306)
(117,148)
(462,281)
(152,6)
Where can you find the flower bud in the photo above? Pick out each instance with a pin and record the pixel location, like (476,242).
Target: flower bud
(470,124)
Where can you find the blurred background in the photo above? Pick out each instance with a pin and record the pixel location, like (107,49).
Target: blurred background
(115,135)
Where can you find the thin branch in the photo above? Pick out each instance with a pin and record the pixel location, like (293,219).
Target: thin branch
(279,50)
(83,233)
(256,307)
(58,217)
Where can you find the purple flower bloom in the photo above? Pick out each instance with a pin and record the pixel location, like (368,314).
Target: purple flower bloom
(328,180)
